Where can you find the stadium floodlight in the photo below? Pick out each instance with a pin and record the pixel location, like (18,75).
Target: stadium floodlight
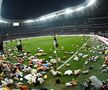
(2,21)
(43,18)
(59,14)
(29,21)
(80,8)
(91,2)
(51,16)
(36,20)
(68,11)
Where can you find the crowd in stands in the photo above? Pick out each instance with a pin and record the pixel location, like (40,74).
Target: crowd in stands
(98,25)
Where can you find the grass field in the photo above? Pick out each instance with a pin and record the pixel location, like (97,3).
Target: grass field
(67,44)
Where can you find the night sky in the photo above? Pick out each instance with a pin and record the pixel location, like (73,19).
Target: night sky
(26,9)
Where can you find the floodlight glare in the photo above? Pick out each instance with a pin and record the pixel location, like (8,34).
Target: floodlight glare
(51,16)
(91,2)
(80,8)
(59,14)
(36,20)
(1,21)
(29,21)
(68,11)
(42,18)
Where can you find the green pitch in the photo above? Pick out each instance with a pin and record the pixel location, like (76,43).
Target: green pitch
(67,44)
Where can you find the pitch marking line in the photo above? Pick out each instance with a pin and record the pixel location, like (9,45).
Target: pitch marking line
(73,55)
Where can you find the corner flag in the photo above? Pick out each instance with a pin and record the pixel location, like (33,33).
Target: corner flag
(55,42)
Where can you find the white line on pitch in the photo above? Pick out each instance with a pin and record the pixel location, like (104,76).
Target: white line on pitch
(72,55)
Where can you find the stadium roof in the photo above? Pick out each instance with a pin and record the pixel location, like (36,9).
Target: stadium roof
(70,10)
(27,9)
(67,11)
(0,7)
(1,21)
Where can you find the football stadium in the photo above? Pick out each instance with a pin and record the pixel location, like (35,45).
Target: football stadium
(63,49)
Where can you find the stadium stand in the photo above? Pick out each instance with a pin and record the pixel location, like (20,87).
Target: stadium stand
(64,26)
